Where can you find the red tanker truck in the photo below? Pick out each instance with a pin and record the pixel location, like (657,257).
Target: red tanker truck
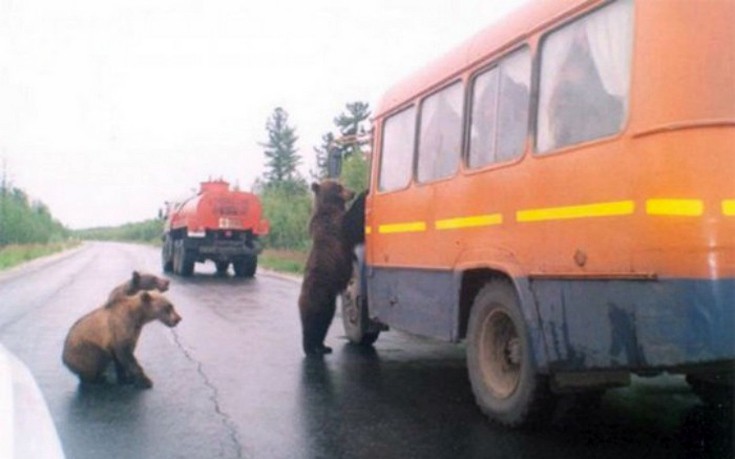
(217,224)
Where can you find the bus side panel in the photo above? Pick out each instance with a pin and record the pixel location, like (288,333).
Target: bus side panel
(426,302)
(418,301)
(633,324)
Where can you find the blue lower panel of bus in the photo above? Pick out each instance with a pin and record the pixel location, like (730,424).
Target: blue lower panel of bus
(590,324)
(418,301)
(579,324)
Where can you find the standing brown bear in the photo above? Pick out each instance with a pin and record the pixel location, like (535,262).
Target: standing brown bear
(138,282)
(328,266)
(109,335)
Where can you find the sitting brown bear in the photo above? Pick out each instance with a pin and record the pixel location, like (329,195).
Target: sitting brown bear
(138,282)
(110,333)
(328,266)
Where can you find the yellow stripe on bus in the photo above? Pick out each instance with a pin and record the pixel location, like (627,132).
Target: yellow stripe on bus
(675,207)
(409,227)
(655,207)
(602,209)
(728,207)
(469,222)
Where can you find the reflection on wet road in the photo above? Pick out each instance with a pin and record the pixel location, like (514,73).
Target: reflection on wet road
(230,381)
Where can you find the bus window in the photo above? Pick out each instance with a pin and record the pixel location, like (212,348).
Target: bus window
(585,78)
(440,138)
(500,101)
(396,159)
(484,114)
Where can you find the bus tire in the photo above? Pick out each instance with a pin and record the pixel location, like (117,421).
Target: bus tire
(715,390)
(359,329)
(500,361)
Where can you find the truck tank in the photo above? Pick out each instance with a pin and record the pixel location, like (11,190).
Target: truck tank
(217,224)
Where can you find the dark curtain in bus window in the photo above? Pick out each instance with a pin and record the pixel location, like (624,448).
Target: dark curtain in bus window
(440,138)
(585,78)
(396,159)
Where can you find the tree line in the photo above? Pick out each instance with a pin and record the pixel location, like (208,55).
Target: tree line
(149,231)
(25,221)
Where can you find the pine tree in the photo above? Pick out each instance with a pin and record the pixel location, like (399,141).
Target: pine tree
(350,139)
(351,127)
(322,156)
(280,151)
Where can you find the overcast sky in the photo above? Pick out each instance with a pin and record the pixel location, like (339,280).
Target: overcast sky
(109,108)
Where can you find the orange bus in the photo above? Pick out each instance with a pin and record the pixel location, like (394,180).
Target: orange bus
(559,193)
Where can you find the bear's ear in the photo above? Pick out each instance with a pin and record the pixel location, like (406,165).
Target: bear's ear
(315,187)
(136,277)
(146,297)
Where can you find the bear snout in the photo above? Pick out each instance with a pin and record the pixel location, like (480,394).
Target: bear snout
(176,319)
(171,320)
(163,285)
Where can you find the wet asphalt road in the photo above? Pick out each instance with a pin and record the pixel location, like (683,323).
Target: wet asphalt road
(231,382)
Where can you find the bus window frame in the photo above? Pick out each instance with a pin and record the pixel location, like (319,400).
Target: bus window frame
(379,162)
(462,140)
(532,103)
(536,85)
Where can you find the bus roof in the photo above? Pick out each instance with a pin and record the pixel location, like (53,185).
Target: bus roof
(500,36)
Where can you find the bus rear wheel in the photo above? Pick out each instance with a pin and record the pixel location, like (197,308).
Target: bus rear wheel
(499,360)
(358,327)
(714,389)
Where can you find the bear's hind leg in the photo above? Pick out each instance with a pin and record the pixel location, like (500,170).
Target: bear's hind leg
(88,361)
(315,326)
(128,366)
(122,375)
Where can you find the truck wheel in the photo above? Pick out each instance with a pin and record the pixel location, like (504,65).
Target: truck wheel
(176,257)
(187,264)
(499,360)
(358,327)
(222,267)
(246,267)
(183,263)
(167,256)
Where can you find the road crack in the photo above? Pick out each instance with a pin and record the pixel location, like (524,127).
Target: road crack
(214,397)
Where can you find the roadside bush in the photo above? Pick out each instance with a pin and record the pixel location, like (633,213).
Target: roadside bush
(26,222)
(287,209)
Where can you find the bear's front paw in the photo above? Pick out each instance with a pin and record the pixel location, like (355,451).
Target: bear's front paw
(143,382)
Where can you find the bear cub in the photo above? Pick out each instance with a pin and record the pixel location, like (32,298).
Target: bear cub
(138,282)
(109,335)
(328,266)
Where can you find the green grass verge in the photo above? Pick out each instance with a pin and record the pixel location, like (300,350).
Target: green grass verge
(13,255)
(289,261)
